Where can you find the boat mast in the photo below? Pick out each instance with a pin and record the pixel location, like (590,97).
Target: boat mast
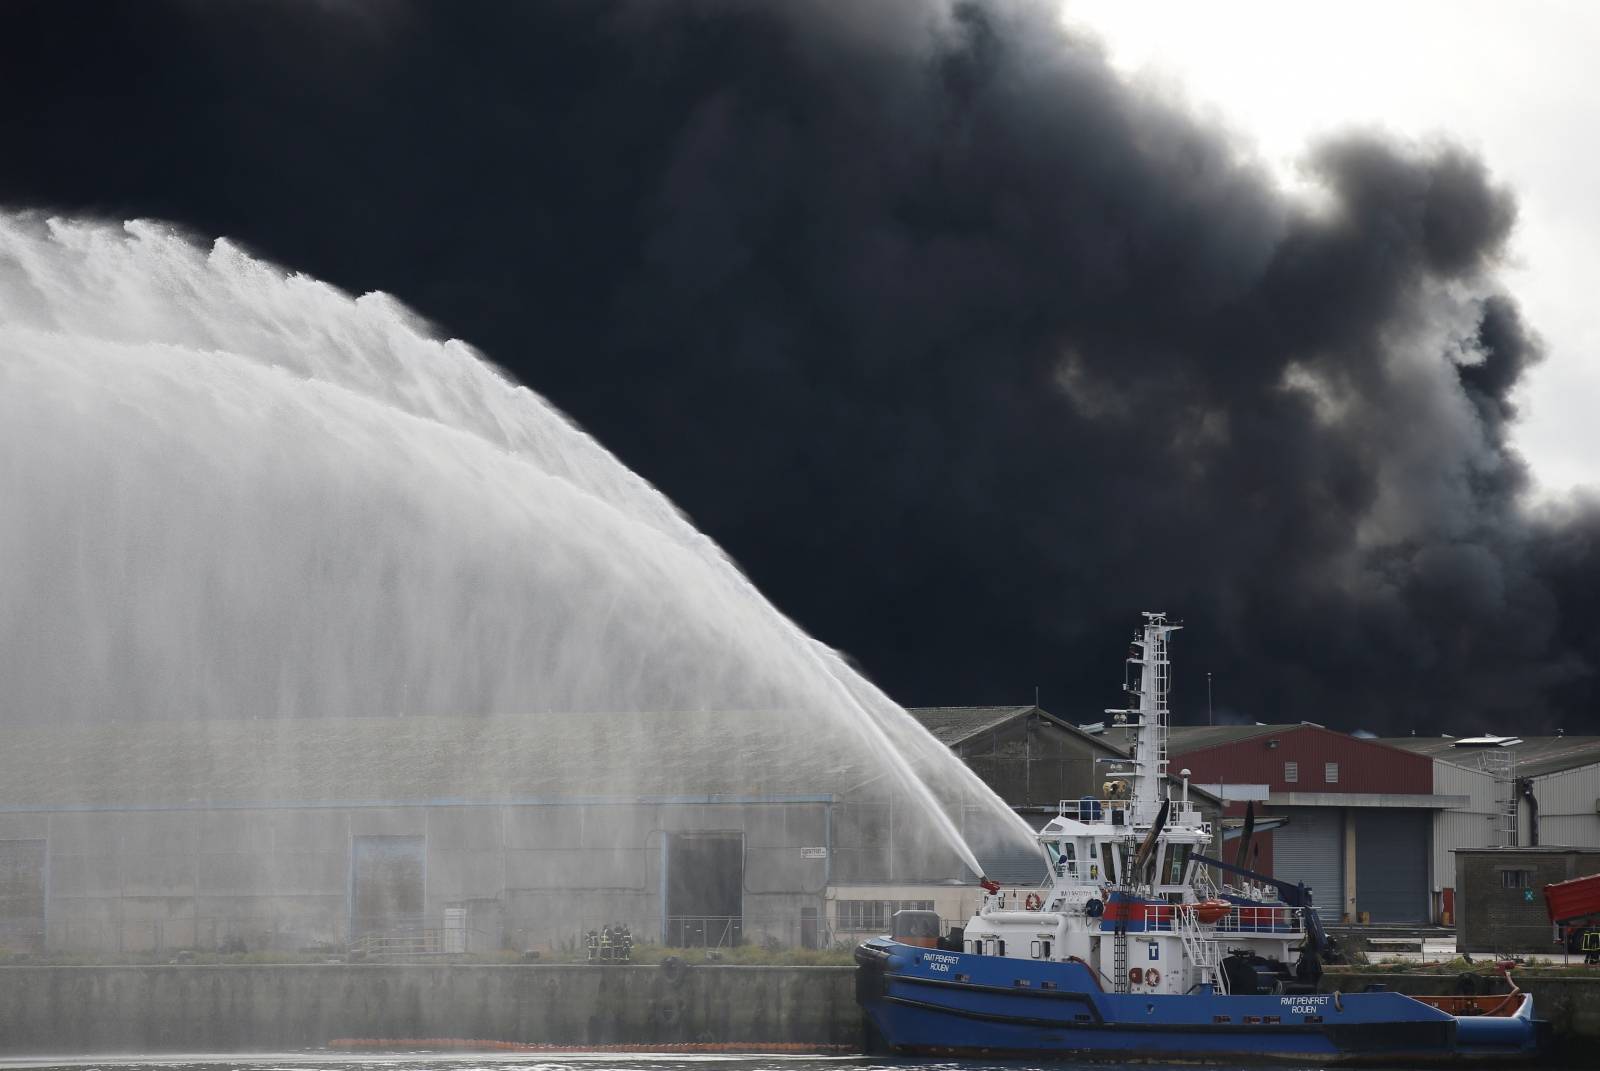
(1149,752)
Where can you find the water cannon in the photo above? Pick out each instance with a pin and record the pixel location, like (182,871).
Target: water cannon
(990,886)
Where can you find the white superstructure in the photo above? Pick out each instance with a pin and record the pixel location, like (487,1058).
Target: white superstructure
(1125,893)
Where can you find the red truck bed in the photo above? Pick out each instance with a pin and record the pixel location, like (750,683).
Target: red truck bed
(1575,899)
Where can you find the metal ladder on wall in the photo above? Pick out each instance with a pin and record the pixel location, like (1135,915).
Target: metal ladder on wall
(1119,958)
(1500,763)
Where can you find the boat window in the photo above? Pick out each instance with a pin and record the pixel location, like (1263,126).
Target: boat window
(1177,862)
(1046,949)
(971,947)
(989,945)
(1002,943)
(1063,859)
(1033,950)
(1107,854)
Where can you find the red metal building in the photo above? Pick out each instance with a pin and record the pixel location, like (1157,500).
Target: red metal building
(1360,814)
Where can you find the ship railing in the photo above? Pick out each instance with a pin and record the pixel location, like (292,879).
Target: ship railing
(1243,919)
(1125,811)
(1118,811)
(1250,918)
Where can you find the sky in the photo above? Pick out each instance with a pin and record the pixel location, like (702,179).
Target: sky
(1513,82)
(967,333)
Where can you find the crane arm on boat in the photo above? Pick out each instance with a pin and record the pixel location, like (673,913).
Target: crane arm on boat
(1137,870)
(1294,894)
(1243,856)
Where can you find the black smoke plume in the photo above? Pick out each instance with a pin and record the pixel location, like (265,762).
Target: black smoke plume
(964,348)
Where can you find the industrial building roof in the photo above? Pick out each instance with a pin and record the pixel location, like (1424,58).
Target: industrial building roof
(1535,755)
(956,725)
(952,725)
(1186,738)
(1535,849)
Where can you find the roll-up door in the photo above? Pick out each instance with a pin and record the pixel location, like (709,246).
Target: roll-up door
(1392,864)
(1311,849)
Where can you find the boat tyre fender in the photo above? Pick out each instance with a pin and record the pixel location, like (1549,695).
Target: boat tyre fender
(1338,1001)
(1094,908)
(1152,976)
(668,1011)
(1033,903)
(672,969)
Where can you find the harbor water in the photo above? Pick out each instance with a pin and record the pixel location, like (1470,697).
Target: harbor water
(520,1062)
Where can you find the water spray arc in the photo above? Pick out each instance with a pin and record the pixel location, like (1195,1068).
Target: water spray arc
(238,493)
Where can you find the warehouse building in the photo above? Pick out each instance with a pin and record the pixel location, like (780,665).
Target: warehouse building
(1381,821)
(1364,824)
(477,835)
(448,834)
(1538,800)
(1547,787)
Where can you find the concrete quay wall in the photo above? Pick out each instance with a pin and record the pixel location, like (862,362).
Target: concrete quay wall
(245,1008)
(239,1008)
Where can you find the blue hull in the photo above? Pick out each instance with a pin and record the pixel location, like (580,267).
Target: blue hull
(927,1002)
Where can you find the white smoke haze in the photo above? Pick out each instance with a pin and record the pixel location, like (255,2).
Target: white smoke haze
(232,493)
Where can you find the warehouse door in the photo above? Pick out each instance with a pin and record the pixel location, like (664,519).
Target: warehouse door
(704,889)
(1392,864)
(1311,849)
(386,886)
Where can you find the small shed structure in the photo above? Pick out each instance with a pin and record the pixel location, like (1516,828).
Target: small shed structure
(1500,896)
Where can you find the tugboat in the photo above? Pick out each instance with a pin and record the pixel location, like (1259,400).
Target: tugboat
(1131,949)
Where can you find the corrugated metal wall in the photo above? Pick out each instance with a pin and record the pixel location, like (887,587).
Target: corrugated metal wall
(1567,807)
(1472,826)
(1311,849)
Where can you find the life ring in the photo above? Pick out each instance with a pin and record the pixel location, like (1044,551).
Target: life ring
(1135,975)
(1033,903)
(1151,976)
